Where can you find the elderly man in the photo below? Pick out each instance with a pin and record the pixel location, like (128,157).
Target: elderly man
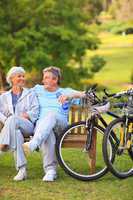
(54,107)
(19,111)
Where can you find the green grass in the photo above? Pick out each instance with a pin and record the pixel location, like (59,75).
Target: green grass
(64,188)
(113,40)
(118,52)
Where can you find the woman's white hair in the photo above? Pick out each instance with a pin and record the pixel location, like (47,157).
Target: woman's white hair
(12,72)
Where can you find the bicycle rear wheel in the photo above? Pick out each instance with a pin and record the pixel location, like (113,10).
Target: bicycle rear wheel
(122,166)
(72,156)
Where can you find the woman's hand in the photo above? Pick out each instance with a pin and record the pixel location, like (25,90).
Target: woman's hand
(25,116)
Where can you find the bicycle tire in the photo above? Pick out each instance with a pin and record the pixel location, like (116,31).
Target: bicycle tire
(122,166)
(72,160)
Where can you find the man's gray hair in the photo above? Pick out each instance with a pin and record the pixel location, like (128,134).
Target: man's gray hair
(55,71)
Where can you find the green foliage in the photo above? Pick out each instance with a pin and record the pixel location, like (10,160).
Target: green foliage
(71,78)
(118,27)
(83,75)
(122,28)
(44,32)
(97,63)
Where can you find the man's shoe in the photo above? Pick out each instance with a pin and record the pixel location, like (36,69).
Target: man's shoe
(50,176)
(4,147)
(26,148)
(22,175)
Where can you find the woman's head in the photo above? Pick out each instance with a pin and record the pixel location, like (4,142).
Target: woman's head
(16,76)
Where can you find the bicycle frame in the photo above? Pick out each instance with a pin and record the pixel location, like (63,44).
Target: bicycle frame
(90,123)
(125,134)
(129,133)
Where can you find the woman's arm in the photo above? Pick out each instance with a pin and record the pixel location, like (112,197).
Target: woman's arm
(2,116)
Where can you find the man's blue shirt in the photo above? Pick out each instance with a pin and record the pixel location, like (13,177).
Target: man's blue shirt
(49,101)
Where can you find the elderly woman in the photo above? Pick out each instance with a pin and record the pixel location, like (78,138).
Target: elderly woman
(18,113)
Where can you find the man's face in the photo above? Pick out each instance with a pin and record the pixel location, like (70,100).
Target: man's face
(18,80)
(50,81)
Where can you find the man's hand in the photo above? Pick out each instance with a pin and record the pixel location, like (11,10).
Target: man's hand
(62,99)
(77,94)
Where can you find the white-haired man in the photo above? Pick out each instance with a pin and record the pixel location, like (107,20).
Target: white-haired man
(54,104)
(19,111)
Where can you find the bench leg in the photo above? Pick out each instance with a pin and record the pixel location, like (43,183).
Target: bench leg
(92,153)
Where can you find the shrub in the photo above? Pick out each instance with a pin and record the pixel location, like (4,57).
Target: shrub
(97,63)
(118,27)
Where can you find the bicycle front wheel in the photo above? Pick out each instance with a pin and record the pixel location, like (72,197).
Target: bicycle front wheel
(122,166)
(73,157)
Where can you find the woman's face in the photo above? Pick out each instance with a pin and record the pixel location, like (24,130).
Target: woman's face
(18,80)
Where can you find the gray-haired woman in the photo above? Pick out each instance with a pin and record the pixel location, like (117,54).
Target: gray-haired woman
(19,111)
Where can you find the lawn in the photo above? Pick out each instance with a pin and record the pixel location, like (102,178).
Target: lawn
(64,188)
(117,50)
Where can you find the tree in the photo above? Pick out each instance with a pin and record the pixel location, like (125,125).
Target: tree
(44,32)
(122,10)
(106,4)
(94,7)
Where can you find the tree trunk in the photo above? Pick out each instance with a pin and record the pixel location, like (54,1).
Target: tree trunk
(2,80)
(106,4)
(17,58)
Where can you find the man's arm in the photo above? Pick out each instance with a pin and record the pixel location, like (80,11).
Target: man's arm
(73,95)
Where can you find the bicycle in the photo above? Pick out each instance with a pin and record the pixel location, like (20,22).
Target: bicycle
(74,160)
(122,129)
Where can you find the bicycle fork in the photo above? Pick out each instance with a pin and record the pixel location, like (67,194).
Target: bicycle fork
(125,135)
(89,129)
(129,134)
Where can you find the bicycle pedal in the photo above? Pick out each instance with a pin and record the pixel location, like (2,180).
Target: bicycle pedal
(120,151)
(85,150)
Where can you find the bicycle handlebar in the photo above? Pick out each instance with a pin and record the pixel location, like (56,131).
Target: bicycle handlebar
(94,99)
(119,94)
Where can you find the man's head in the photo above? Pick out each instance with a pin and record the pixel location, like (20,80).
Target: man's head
(51,77)
(55,71)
